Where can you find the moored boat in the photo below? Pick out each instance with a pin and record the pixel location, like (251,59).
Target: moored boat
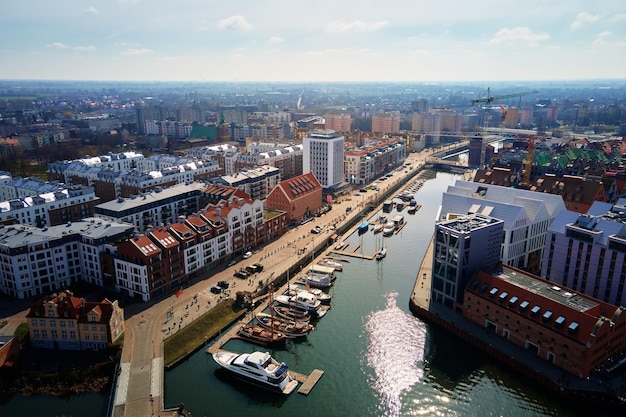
(333,264)
(389,229)
(302,300)
(260,336)
(258,368)
(292,314)
(323,297)
(316,280)
(379,227)
(381,253)
(290,328)
(364,227)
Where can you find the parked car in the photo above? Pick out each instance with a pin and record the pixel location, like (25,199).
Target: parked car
(222,284)
(231,263)
(251,269)
(241,274)
(316,230)
(259,267)
(247,255)
(216,289)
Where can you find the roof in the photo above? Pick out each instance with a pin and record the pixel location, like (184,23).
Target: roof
(71,307)
(300,186)
(122,204)
(557,307)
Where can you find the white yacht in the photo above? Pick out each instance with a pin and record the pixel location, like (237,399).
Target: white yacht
(258,368)
(302,300)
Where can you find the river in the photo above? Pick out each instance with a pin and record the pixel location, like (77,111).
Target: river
(378,359)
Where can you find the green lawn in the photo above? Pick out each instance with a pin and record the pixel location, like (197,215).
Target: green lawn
(206,327)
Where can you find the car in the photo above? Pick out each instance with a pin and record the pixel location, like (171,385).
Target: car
(216,289)
(348,209)
(363,190)
(231,263)
(247,255)
(222,284)
(241,274)
(316,230)
(252,269)
(259,267)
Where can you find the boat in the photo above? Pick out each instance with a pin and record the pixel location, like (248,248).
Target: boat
(316,280)
(258,368)
(290,328)
(382,219)
(364,227)
(337,266)
(379,227)
(400,206)
(318,293)
(260,336)
(292,314)
(398,220)
(381,253)
(340,245)
(387,206)
(301,300)
(389,229)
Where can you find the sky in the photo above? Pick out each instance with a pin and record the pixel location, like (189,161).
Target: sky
(309,41)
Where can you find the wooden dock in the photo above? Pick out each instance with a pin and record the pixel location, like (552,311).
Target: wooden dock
(354,254)
(308,382)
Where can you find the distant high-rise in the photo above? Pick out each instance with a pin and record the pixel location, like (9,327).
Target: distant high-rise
(323,157)
(338,122)
(384,123)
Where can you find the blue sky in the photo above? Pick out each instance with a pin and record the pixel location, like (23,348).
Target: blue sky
(322,40)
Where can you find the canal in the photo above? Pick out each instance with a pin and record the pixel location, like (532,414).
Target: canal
(378,359)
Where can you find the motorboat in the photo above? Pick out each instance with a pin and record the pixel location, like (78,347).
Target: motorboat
(387,206)
(364,227)
(389,229)
(290,328)
(379,227)
(381,253)
(337,266)
(323,297)
(302,300)
(258,368)
(316,280)
(340,245)
(260,336)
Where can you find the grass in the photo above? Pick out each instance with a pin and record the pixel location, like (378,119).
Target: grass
(206,327)
(22,333)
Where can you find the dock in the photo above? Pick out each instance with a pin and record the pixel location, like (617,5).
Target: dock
(308,382)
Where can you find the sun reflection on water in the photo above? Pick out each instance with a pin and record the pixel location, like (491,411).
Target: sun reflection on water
(395,352)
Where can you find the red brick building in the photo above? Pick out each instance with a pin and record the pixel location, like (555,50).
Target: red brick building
(576,333)
(299,197)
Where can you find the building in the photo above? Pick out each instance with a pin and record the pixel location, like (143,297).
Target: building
(338,122)
(37,261)
(365,164)
(574,332)
(255,182)
(300,197)
(9,351)
(526,216)
(62,321)
(578,193)
(323,157)
(50,209)
(386,123)
(462,246)
(587,252)
(153,208)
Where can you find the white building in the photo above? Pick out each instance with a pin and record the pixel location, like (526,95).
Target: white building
(323,157)
(256,182)
(587,252)
(37,261)
(526,216)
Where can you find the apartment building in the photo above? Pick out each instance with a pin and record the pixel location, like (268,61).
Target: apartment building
(324,157)
(365,164)
(62,321)
(300,197)
(255,182)
(587,252)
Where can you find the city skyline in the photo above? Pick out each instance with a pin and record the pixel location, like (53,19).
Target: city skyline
(192,40)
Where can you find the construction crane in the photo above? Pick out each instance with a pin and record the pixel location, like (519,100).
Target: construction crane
(491,99)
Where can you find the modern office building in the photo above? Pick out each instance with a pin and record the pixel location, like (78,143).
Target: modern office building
(526,216)
(462,246)
(587,252)
(324,157)
(576,333)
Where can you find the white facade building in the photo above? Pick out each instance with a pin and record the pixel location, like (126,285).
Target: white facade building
(323,157)
(526,216)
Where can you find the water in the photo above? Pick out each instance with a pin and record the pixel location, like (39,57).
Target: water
(378,359)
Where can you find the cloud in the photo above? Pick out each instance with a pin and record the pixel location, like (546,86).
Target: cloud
(60,45)
(90,10)
(237,22)
(604,39)
(356,26)
(584,18)
(276,39)
(137,51)
(520,33)
(618,17)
